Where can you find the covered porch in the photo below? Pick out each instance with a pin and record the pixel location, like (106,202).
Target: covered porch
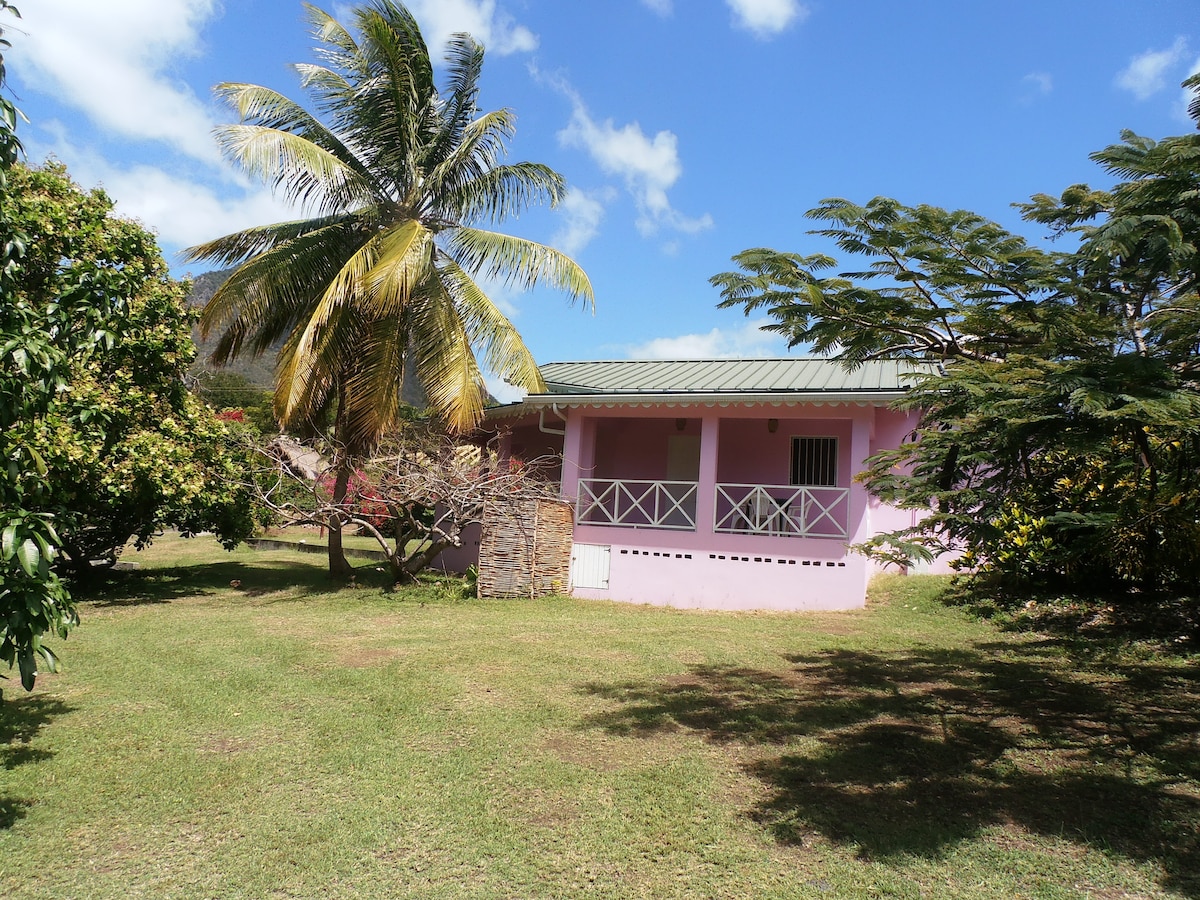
(766,475)
(721,506)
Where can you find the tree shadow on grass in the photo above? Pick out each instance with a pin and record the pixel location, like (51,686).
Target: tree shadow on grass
(1090,624)
(21,717)
(910,753)
(261,576)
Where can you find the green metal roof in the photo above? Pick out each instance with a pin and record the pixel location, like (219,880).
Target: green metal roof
(728,376)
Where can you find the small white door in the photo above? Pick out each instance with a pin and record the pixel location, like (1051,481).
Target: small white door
(589,566)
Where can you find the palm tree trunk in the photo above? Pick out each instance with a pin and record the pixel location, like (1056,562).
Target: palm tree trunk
(343,465)
(337,557)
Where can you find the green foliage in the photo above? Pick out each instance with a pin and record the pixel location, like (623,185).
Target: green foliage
(100,441)
(1061,441)
(34,343)
(125,449)
(232,392)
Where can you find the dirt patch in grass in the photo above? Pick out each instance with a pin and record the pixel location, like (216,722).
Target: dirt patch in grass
(602,753)
(544,809)
(368,658)
(590,751)
(226,746)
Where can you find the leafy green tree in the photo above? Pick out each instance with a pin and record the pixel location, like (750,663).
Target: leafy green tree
(33,600)
(122,449)
(379,282)
(1061,442)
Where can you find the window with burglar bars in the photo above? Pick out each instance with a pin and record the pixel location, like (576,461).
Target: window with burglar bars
(814,461)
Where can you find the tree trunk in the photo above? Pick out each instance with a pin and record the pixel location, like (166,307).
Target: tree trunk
(337,557)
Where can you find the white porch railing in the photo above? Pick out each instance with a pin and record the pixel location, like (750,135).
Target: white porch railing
(637,504)
(786,510)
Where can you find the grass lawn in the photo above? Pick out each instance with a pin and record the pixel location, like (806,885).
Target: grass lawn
(229,725)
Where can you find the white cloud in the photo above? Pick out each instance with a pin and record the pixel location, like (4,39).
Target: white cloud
(766,18)
(583,212)
(1146,73)
(648,166)
(662,7)
(748,341)
(502,390)
(497,31)
(112,61)
(179,211)
(186,213)
(1039,82)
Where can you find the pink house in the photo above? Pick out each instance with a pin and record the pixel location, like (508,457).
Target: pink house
(721,484)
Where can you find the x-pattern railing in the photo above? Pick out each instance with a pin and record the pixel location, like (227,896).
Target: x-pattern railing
(637,504)
(788,510)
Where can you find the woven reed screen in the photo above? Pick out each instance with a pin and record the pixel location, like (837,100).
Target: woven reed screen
(525,549)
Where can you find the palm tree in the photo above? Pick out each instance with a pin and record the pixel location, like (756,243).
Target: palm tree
(380,279)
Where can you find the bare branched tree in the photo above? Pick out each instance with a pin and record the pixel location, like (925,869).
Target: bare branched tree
(415,496)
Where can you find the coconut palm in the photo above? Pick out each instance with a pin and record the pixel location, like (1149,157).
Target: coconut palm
(379,281)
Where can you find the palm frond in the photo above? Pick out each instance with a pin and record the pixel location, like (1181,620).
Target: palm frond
(328,30)
(232,249)
(444,359)
(502,191)
(336,44)
(394,111)
(302,171)
(328,335)
(311,368)
(405,260)
(515,260)
(268,295)
(326,85)
(491,332)
(464,59)
(374,383)
(295,409)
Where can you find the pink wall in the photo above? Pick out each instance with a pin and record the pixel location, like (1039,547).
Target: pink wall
(751,454)
(729,571)
(724,571)
(636,448)
(526,441)
(459,559)
(729,579)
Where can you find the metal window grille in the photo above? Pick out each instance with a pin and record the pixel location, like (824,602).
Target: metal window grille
(814,461)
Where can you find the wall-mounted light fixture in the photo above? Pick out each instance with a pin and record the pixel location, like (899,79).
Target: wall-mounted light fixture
(772,425)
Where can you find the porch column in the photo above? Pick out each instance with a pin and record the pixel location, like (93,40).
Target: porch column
(859,526)
(706,489)
(579,450)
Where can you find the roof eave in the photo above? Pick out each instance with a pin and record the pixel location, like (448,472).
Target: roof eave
(644,399)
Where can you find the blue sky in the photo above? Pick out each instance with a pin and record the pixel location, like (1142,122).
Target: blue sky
(688,130)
